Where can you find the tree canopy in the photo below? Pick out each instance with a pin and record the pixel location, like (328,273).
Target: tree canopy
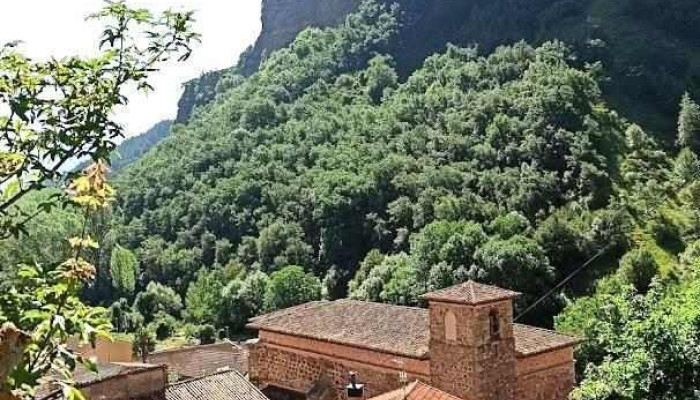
(324,155)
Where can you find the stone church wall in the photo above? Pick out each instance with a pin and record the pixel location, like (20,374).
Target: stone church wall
(299,369)
(547,376)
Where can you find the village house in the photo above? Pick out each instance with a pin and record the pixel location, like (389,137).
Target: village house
(113,381)
(196,361)
(465,344)
(214,371)
(137,381)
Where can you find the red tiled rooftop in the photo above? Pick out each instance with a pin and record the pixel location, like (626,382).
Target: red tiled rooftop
(530,340)
(471,293)
(416,391)
(385,328)
(195,361)
(229,385)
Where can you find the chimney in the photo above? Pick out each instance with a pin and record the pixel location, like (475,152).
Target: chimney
(355,390)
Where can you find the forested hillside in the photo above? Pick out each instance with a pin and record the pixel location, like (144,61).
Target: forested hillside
(648,48)
(352,163)
(325,174)
(326,161)
(132,149)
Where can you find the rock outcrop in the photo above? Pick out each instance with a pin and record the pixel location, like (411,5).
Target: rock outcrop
(282,20)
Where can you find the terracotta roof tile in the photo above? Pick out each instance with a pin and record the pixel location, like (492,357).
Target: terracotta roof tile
(391,329)
(530,340)
(471,292)
(229,385)
(195,361)
(386,328)
(416,391)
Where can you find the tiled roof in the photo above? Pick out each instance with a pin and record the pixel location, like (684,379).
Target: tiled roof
(84,377)
(471,292)
(416,391)
(196,361)
(229,385)
(391,329)
(386,328)
(530,340)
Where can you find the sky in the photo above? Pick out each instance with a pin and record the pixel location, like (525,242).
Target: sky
(58,28)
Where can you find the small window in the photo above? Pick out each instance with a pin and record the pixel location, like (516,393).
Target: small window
(495,324)
(450,326)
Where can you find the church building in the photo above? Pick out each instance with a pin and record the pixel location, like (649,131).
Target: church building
(465,344)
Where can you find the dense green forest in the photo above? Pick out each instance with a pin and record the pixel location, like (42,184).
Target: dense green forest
(325,160)
(331,173)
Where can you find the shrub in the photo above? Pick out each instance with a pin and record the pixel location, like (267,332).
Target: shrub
(665,232)
(163,326)
(509,225)
(639,268)
(207,334)
(191,331)
(291,286)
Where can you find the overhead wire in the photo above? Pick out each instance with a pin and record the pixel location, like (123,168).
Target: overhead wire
(563,282)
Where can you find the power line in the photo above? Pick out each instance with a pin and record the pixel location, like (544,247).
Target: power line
(563,282)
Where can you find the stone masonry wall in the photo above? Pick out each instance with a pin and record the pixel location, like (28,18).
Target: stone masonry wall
(547,376)
(388,361)
(474,366)
(133,385)
(298,369)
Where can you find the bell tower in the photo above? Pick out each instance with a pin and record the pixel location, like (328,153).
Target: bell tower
(472,348)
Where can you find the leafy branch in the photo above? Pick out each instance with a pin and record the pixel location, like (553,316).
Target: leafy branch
(60,110)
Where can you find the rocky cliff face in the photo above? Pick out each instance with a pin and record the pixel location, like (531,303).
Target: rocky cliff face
(428,26)
(282,20)
(197,92)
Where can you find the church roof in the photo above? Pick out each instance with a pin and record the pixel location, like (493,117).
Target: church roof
(385,328)
(374,326)
(471,293)
(530,340)
(416,390)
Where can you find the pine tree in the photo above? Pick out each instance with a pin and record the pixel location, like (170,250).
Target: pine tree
(124,269)
(689,124)
(687,166)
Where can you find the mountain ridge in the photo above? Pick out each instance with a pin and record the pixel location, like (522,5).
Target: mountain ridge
(641,83)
